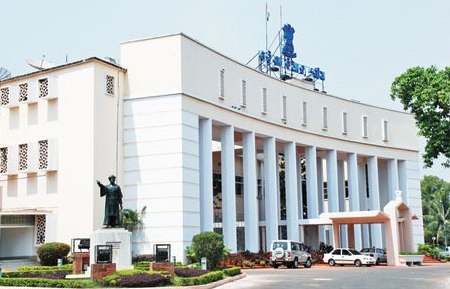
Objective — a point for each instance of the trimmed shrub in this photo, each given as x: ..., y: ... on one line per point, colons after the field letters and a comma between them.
x: 114, y: 280
x: 39, y: 282
x: 142, y: 265
x: 49, y: 253
x: 66, y: 267
x: 143, y: 257
x: 142, y: 280
x: 203, y: 279
x: 22, y: 273
x: 186, y: 272
x: 232, y: 271
x: 36, y: 274
x: 209, y: 245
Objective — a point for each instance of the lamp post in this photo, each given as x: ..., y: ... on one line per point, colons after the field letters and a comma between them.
x: 434, y: 239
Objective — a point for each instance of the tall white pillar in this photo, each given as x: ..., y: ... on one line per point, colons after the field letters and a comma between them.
x: 206, y: 174
x: 291, y: 190
x: 250, y: 193
x: 299, y: 187
x: 228, y: 188
x: 332, y: 181
x: 341, y: 200
x: 271, y: 189
x: 402, y: 180
x: 374, y: 199
x: 311, y: 183
x: 320, y: 198
x: 393, y: 178
x: 353, y: 194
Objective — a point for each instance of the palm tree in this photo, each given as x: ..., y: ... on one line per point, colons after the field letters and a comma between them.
x: 131, y: 219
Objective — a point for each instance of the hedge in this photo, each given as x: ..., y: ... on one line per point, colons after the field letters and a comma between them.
x: 203, y: 279
x: 232, y: 271
x: 35, y: 274
x: 142, y: 265
x: 113, y: 280
x: 66, y: 267
x: 39, y: 282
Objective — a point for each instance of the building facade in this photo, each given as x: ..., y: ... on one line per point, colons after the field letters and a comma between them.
x: 204, y: 142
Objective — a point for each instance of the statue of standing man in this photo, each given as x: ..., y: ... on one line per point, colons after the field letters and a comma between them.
x: 113, y: 202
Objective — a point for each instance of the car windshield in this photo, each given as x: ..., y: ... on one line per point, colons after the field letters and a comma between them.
x: 280, y: 245
x: 367, y: 250
x: 354, y: 252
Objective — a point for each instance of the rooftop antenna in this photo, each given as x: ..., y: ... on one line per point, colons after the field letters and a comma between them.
x: 110, y: 59
x: 267, y: 21
x: 40, y: 64
x: 4, y: 73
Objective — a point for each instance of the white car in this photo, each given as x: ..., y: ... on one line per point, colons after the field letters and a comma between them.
x: 378, y: 254
x: 345, y: 256
x: 446, y: 251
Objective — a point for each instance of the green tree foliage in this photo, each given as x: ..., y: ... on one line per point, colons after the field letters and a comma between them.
x: 209, y: 245
x: 49, y: 253
x: 425, y: 92
x: 131, y: 219
x: 436, y: 209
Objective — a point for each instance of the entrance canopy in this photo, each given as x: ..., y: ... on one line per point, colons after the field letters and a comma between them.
x: 356, y: 217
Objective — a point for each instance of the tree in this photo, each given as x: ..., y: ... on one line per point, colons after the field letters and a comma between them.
x: 131, y: 219
x: 436, y: 209
x: 209, y: 245
x: 425, y: 92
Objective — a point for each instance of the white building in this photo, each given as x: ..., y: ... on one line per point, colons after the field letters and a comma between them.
x: 197, y: 138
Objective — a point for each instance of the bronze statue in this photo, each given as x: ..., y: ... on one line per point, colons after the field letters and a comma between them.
x: 113, y: 202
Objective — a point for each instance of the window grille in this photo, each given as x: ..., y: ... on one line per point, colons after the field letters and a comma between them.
x: 344, y: 123
x: 4, y: 96
x: 43, y: 87
x: 222, y: 83
x: 264, y: 100
x: 324, y: 118
x: 23, y: 92
x: 43, y: 154
x: 110, y: 85
x: 3, y: 160
x: 385, y: 130
x: 23, y: 157
x: 244, y: 93
x: 284, y: 105
x: 40, y: 229
x: 304, y: 113
x: 364, y: 126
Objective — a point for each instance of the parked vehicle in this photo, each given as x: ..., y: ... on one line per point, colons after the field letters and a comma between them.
x: 378, y: 254
x: 289, y: 253
x: 446, y: 251
x: 345, y: 256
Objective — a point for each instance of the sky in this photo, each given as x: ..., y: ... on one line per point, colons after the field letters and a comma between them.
x: 361, y: 45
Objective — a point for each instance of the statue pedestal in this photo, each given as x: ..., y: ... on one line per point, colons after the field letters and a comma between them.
x: 120, y: 239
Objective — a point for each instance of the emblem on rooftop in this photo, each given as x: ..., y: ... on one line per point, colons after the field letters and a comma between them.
x: 280, y: 63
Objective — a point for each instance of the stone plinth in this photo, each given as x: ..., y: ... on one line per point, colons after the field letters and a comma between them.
x: 120, y: 239
x: 163, y: 266
x: 98, y: 271
x: 79, y: 259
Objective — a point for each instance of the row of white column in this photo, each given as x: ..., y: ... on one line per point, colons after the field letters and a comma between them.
x: 292, y: 184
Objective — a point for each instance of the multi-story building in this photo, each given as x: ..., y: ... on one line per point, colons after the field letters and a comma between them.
x: 204, y: 142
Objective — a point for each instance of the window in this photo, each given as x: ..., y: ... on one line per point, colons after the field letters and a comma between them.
x: 304, y: 113
x: 364, y: 126
x: 23, y: 92
x: 244, y: 94
x: 324, y: 118
x: 3, y: 160
x: 43, y: 87
x: 385, y: 130
x: 346, y: 188
x: 24, y: 220
x: 284, y: 107
x: 222, y: 84
x: 344, y: 122
x: 43, y: 154
x: 23, y: 157
x: 325, y: 190
x: 367, y: 181
x: 4, y: 94
x: 110, y: 85
x: 264, y: 100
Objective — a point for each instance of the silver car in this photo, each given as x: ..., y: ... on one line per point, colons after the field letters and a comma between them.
x: 289, y: 253
x: 378, y: 254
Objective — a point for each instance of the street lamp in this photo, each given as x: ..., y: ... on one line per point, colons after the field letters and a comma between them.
x: 434, y: 239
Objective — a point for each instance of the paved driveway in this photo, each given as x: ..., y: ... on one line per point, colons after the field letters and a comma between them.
x: 376, y: 277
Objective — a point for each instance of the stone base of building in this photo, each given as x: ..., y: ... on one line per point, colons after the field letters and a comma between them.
x: 119, y: 239
x: 98, y: 271
x: 163, y: 266
x: 80, y: 261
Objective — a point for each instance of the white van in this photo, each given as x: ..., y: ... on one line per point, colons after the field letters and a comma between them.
x: 289, y: 253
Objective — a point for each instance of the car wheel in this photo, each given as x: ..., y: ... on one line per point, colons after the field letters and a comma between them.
x: 378, y: 261
x: 308, y: 263
x: 295, y: 265
x: 275, y: 265
x: 358, y: 263
x: 331, y: 262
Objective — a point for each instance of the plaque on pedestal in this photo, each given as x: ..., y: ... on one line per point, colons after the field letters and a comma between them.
x: 119, y: 240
